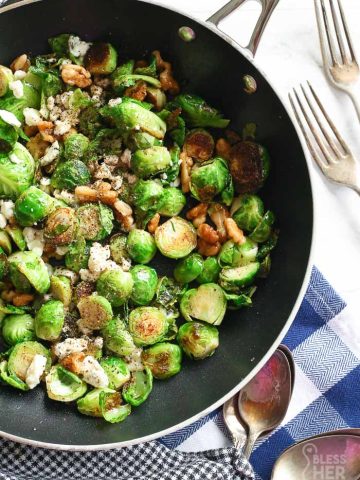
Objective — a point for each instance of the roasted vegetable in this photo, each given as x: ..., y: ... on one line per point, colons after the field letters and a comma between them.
x: 116, y: 286
x: 163, y: 359
x: 141, y: 246
x: 175, y: 238
x: 206, y: 303
x: 16, y: 172
x: 198, y: 113
x: 145, y: 282
x: 198, y: 340
x: 33, y: 206
x: 49, y: 320
x: 101, y: 59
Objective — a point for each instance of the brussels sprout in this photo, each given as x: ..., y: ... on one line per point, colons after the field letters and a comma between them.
x: 95, y: 311
x: 96, y: 221
x: 176, y: 238
x: 265, y: 267
x: 124, y: 77
x: 33, y: 206
x: 236, y: 255
x: 263, y: 230
x: 151, y: 161
x: 18, y: 328
x: 268, y: 246
x: 11, y: 379
x: 141, y: 246
x: 210, y: 271
x: 64, y: 386
x: 16, y: 172
x: 30, y: 99
x: 116, y: 370
x: 209, y: 179
x: 239, y: 300
x: 90, y: 122
x: 112, y: 407
x: 90, y: 403
x: 9, y: 310
x: 168, y: 292
x: 17, y: 236
x: 61, y: 226
x: 157, y: 97
x: 163, y: 359
x: 3, y: 264
x: 60, y: 289
x: 75, y: 146
x: 49, y: 320
x: 206, y: 303
x: 139, y: 388
x: 145, y: 283
x: 118, y: 248
x: 117, y: 339
x: 6, y: 76
x: 78, y: 254
x: 198, y: 113
x: 141, y: 140
x: 172, y: 202
x: 70, y: 174
x: 116, y: 286
x: 5, y: 242
x: 129, y: 115
x: 249, y: 165
x: 27, y: 267
x: 189, y: 268
x: 8, y: 136
x: 199, y: 144
x: 147, y: 325
x: 231, y: 279
x: 107, y: 141
x: 101, y: 59
x: 60, y: 44
x: 248, y: 211
x: 22, y: 355
x: 146, y: 197
x: 198, y: 340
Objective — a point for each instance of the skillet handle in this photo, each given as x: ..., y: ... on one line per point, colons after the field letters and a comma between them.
x: 268, y: 6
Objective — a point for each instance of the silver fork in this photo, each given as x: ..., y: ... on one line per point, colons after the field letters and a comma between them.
x: 340, y: 62
x: 325, y: 143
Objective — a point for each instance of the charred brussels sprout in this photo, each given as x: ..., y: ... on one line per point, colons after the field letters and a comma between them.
x: 236, y: 255
x: 64, y: 386
x: 141, y: 246
x: 112, y: 407
x: 95, y: 311
x: 90, y: 403
x: 264, y: 228
x: 116, y: 370
x: 188, y: 269
x: 61, y: 226
x: 116, y: 286
x: 26, y: 270
x: 198, y: 113
x: 6, y: 76
x: 22, y: 356
x: 49, y: 320
x: 139, y: 388
x: 231, y: 279
x: 198, y: 340
x: 18, y: 328
x: 145, y: 283
x: 96, y: 221
x: 206, y: 303
x: 75, y: 146
x: 33, y: 206
x: 125, y: 76
x: 70, y: 174
x: 172, y: 202
x: 78, y: 254
x: 117, y: 338
x: 60, y: 288
x: 199, y: 144
x: 248, y: 211
x: 101, y: 59
x: 147, y: 325
x: 210, y: 271
x: 249, y: 166
x: 151, y: 161
x: 176, y: 238
x: 163, y: 359
x: 209, y: 179
x: 118, y: 248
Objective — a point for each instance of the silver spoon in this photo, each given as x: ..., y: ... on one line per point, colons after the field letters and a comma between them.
x: 326, y: 457
x: 263, y: 402
x: 233, y: 422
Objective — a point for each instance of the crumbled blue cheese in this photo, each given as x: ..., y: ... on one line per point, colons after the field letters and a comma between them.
x: 17, y: 88
x: 51, y: 154
x: 3, y: 221
x: 19, y: 75
x: 62, y: 250
x: 98, y: 263
x: 93, y: 373
x: 7, y: 208
x: 69, y: 346
x: 34, y: 239
x: 77, y: 47
x: 67, y: 197
x: 114, y: 101
x: 65, y: 272
x: 134, y: 361
x: 61, y: 127
x: 35, y: 371
x: 176, y: 182
x: 9, y: 118
x: 32, y: 116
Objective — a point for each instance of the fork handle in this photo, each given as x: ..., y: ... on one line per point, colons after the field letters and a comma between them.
x: 355, y: 97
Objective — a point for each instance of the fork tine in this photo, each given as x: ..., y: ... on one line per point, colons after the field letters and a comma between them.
x: 330, y: 122
x: 338, y: 32
x: 330, y: 41
x: 347, y: 32
x: 322, y: 165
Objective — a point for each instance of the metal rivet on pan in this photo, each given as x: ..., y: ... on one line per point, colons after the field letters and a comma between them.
x: 187, y: 34
x: 250, y: 85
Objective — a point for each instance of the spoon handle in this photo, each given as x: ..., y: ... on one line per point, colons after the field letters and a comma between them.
x: 250, y: 442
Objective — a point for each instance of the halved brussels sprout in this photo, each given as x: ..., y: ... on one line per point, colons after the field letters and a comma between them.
x: 112, y: 407
x: 209, y: 179
x: 151, y: 161
x: 118, y: 248
x: 22, y: 355
x: 247, y: 211
x: 60, y: 288
x: 16, y: 172
x: 10, y: 378
x: 141, y: 246
x: 101, y: 58
x: 172, y: 202
x: 64, y: 386
x: 78, y: 254
x: 146, y: 197
x: 137, y: 390
x: 198, y: 340
x: 199, y: 144
x: 188, y: 269
x: 49, y: 320
x: 33, y: 206
x: 236, y: 255
x: 90, y: 403
x: 70, y: 174
x: 61, y: 226
x: 96, y: 221
x: 117, y: 339
x: 116, y: 370
x: 17, y: 236
x: 206, y: 303
x: 198, y: 113
x: 116, y: 286
x: 163, y: 359
x: 26, y: 268
x: 95, y: 311
x: 176, y: 238
x: 9, y: 310
x: 240, y: 300
x: 141, y: 140
x: 3, y: 264
x: 268, y: 246
x: 75, y: 146
x: 145, y: 283
x: 5, y: 242
x: 18, y: 328
x: 231, y: 279
x: 263, y: 230
x: 210, y: 271
x: 147, y: 325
